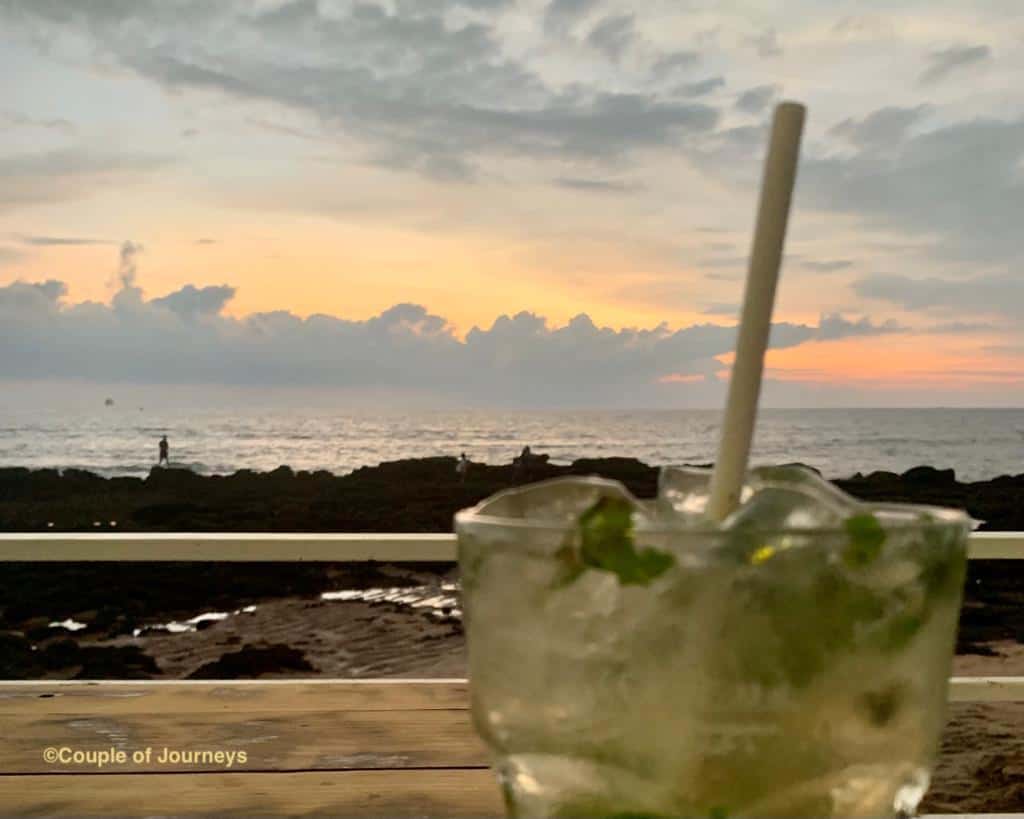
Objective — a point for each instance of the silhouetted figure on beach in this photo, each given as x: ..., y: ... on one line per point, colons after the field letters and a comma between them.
x: 164, y: 452
x: 462, y: 467
x: 526, y: 461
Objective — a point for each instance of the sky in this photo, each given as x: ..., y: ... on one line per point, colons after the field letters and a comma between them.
x: 510, y: 202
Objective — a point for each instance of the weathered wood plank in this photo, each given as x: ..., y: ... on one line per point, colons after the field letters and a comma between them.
x: 434, y: 793
x: 112, y: 697
x: 297, y: 547
x: 437, y: 793
x: 233, y: 741
x: 121, y: 697
x: 280, y: 725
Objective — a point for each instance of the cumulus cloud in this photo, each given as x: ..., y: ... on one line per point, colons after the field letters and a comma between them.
x: 190, y: 301
x: 185, y: 337
x: 944, y: 62
x: 833, y: 326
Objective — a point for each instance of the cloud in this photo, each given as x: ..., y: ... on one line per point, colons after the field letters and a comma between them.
x: 206, y: 241
x: 942, y: 63
x: 766, y: 44
x: 13, y: 119
x: 833, y: 326
x: 699, y: 88
x: 668, y: 64
x: 562, y: 15
x: 960, y: 328
x: 190, y: 301
x: 185, y: 337
x: 594, y: 185
x: 32, y: 178
x: 826, y: 266
x: 756, y: 100
x: 882, y: 128
x: 863, y: 26
x: 612, y: 35
x: 721, y: 309
x: 57, y: 241
x: 415, y: 89
x: 959, y: 186
x: 994, y: 294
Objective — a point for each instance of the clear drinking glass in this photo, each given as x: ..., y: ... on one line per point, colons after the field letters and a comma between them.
x: 798, y: 672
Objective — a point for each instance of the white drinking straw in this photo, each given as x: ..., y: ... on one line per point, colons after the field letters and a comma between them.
x: 756, y: 318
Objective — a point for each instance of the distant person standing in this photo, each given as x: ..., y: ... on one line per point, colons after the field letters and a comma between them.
x: 462, y: 467
x: 164, y: 450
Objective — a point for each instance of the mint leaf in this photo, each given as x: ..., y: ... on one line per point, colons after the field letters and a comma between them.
x: 866, y: 539
x: 606, y: 542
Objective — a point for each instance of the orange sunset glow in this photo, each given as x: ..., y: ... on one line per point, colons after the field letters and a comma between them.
x: 575, y: 198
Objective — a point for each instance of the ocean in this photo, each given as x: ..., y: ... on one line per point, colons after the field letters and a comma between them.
x: 117, y: 440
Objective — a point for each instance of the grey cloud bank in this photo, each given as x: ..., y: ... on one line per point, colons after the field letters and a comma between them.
x: 185, y: 338
x: 421, y: 92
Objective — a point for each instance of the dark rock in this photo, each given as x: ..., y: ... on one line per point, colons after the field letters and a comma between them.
x: 160, y: 514
x: 115, y: 663
x: 930, y: 475
x: 253, y: 661
x: 419, y: 495
x: 60, y: 653
x: 882, y: 476
x: 17, y: 659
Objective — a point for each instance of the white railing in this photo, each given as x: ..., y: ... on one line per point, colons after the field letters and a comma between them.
x: 271, y: 546
x: 287, y: 547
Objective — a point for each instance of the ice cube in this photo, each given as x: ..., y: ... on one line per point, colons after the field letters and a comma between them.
x: 773, y: 508
x: 803, y: 479
x: 558, y: 501
x: 791, y: 497
x: 683, y: 492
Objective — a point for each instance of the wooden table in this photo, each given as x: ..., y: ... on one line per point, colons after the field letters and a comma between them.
x: 375, y: 748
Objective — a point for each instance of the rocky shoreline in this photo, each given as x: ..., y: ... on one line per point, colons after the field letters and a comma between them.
x: 117, y: 600
x: 245, y: 620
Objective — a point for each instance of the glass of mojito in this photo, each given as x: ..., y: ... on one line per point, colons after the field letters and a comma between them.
x: 630, y: 659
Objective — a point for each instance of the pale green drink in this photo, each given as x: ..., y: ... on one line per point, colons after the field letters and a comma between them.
x: 627, y: 659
